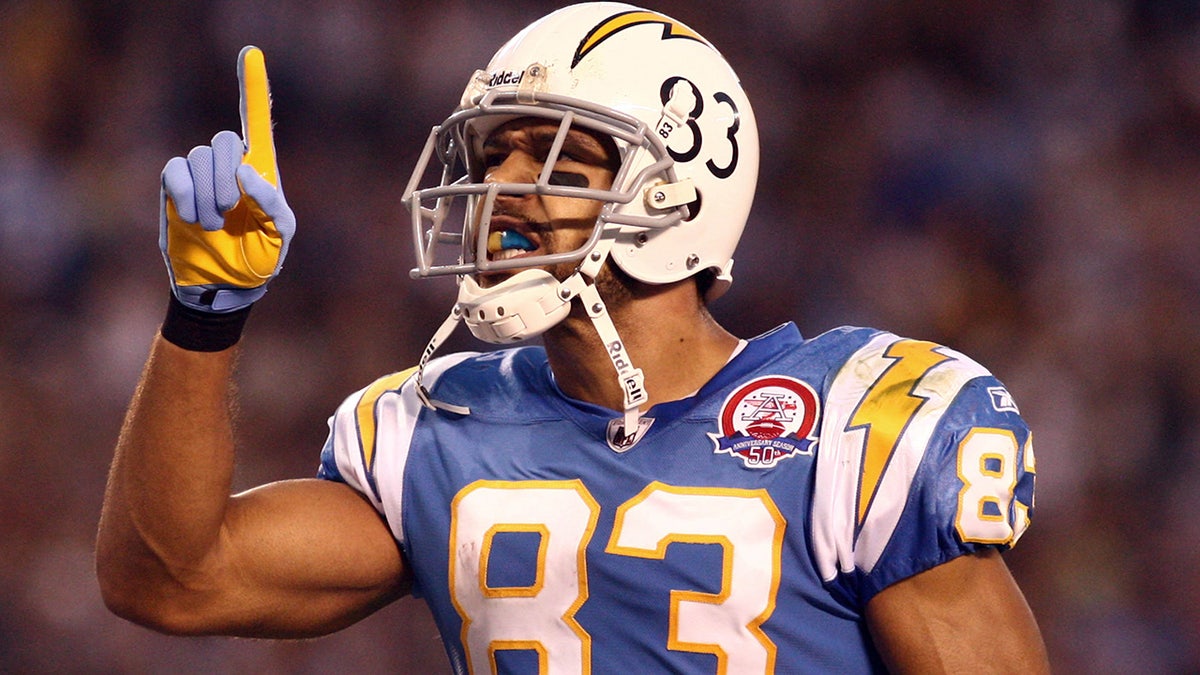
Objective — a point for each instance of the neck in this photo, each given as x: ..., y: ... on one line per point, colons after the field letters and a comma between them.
x: 667, y: 332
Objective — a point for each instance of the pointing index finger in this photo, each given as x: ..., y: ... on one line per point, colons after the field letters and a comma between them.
x: 256, y: 113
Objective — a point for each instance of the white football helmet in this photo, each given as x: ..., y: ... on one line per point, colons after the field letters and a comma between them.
x: 688, y: 151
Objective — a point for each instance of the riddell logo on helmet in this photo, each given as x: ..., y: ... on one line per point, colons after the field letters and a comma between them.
x: 506, y: 77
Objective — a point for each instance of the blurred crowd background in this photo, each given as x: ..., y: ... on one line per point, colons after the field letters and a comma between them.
x: 1019, y: 180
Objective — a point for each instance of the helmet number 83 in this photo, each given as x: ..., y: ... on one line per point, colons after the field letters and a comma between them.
x: 666, y: 128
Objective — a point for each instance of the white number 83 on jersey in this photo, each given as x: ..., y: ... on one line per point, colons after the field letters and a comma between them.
x: 540, y: 616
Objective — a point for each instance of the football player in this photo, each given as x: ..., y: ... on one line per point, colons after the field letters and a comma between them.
x: 647, y: 492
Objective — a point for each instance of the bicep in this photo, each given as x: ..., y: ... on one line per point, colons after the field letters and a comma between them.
x: 304, y: 557
x: 964, y: 615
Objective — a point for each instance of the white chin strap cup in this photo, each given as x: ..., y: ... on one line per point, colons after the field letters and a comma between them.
x: 520, y: 307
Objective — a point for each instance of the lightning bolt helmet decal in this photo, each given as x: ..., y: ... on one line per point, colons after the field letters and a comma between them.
x: 619, y: 22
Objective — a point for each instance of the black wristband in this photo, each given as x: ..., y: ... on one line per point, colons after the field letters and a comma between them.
x: 199, y: 331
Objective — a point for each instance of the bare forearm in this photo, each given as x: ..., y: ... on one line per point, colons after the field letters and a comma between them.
x: 170, y: 479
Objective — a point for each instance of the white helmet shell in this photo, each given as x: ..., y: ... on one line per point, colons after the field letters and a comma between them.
x: 682, y: 123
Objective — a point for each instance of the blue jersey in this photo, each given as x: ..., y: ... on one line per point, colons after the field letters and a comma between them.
x: 743, y: 532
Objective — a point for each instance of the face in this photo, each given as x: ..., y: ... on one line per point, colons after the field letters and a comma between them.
x: 528, y: 225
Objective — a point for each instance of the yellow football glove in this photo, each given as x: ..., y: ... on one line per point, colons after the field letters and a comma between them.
x: 224, y: 225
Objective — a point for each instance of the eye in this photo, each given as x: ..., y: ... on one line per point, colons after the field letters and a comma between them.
x: 586, y: 150
x: 569, y: 155
x: 491, y: 160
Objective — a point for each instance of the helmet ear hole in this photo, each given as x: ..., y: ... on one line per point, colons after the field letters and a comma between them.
x: 694, y: 207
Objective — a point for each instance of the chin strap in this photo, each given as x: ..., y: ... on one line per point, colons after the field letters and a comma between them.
x: 436, y: 341
x: 631, y: 379
x: 633, y: 382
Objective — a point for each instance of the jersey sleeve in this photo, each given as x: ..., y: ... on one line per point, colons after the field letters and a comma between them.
x: 370, y: 436
x: 352, y: 446
x: 923, y: 457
